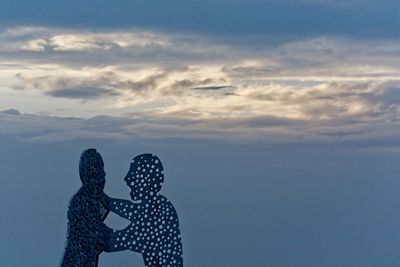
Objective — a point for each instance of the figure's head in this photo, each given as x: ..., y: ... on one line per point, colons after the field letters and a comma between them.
x: 145, y: 176
x: 91, y: 168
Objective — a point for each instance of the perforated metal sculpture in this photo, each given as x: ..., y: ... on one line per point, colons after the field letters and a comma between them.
x: 154, y: 229
x: 87, y: 234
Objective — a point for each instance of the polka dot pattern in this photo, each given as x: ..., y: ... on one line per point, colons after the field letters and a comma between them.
x: 154, y: 229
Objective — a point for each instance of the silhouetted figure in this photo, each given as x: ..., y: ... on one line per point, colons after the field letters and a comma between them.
x: 154, y: 229
x: 87, y: 233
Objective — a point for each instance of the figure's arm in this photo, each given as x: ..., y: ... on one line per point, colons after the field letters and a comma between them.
x: 103, y: 211
x: 122, y: 207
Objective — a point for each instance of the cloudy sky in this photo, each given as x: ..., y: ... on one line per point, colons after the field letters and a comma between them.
x: 277, y: 122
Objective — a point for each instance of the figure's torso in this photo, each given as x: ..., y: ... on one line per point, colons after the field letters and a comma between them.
x: 156, y: 228
x: 85, y: 230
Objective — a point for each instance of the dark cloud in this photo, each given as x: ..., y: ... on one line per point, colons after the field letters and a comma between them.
x: 146, y: 85
x: 111, y: 83
x: 10, y: 111
x: 179, y: 86
x: 211, y: 88
x: 93, y: 86
x: 70, y: 87
x: 266, y: 121
x: 186, y: 125
x: 388, y: 96
x: 82, y: 93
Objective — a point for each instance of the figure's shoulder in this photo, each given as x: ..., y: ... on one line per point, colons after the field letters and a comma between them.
x: 167, y: 207
x: 77, y: 198
x: 162, y: 200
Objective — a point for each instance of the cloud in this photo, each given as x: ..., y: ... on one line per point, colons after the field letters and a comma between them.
x: 48, y: 129
x: 148, y: 127
x: 148, y: 83
x: 212, y: 88
x: 38, y: 45
x: 94, y: 83
x: 40, y: 39
x: 82, y: 92
x: 190, y: 77
x: 361, y: 100
x: 10, y: 111
x: 69, y: 87
x: 322, y: 59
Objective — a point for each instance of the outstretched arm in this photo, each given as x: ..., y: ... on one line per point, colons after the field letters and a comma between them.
x: 122, y: 207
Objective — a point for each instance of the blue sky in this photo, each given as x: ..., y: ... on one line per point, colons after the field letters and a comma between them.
x: 277, y: 123
x: 297, y: 17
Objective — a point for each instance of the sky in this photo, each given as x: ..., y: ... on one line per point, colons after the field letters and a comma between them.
x: 277, y: 123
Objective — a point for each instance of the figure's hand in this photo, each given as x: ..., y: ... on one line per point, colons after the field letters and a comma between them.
x: 105, y: 200
x: 103, y: 239
x: 101, y: 244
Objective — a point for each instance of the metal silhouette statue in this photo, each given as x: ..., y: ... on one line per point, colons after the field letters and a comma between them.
x: 154, y: 228
x: 87, y: 234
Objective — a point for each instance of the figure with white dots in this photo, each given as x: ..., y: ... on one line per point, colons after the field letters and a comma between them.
x: 154, y: 228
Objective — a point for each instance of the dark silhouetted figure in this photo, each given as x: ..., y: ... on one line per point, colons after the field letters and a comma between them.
x: 87, y: 234
x: 154, y: 229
